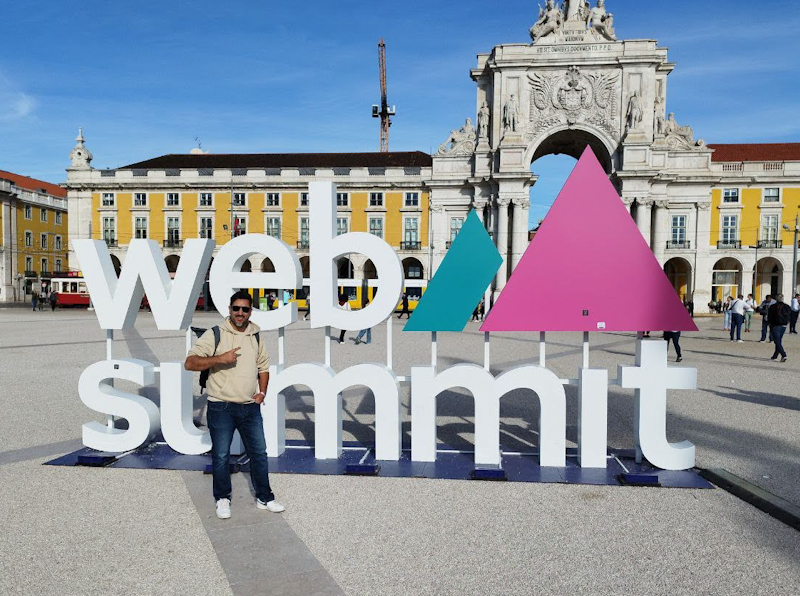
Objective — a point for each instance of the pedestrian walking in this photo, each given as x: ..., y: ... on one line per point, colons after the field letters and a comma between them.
x: 53, y: 300
x: 34, y: 300
x: 238, y: 367
x: 726, y: 314
x: 482, y: 309
x: 405, y: 310
x: 763, y: 310
x: 737, y: 317
x: 675, y: 338
x: 308, y: 307
x: 343, y: 304
x: 363, y: 332
x: 749, y: 308
x: 795, y: 306
x: 476, y: 313
x: 779, y: 315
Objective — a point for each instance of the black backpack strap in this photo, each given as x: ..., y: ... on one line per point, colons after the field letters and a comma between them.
x: 215, y: 330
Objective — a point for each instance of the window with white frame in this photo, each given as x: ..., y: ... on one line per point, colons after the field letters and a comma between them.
x: 28, y: 263
x: 239, y: 199
x: 43, y: 240
x: 173, y: 199
x: 274, y: 227
x: 109, y: 230
x: 140, y: 199
x: 772, y: 195
x: 173, y: 231
x: 412, y: 199
x: 58, y: 242
x: 376, y: 199
x: 730, y: 195
x: 769, y: 228
x: 730, y: 229
x: 44, y: 265
x: 108, y: 199
x: 341, y: 226
x: 376, y: 226
x: 58, y: 218
x: 28, y: 212
x: 140, y: 227
x: 411, y: 231
x: 28, y: 238
x: 206, y: 227
x: 273, y: 199
x: 455, y: 227
x: 239, y: 225
x: 304, y: 199
x: 303, y: 232
x: 678, y: 230
x: 58, y: 265
x: 342, y: 199
x: 206, y: 199
x: 43, y: 214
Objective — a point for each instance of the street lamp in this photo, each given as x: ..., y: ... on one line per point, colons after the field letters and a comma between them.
x: 794, y: 252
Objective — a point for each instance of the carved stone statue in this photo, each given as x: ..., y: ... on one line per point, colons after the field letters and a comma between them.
x: 550, y: 21
x: 511, y: 114
x: 601, y: 21
x: 460, y: 142
x: 577, y: 10
x: 680, y: 137
x: 660, y: 122
x: 634, y: 111
x: 483, y: 121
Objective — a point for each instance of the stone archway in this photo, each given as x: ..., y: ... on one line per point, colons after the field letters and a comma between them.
x: 573, y: 141
x: 679, y: 272
x: 769, y: 278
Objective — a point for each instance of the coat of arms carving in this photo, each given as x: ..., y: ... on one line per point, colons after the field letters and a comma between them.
x: 574, y: 97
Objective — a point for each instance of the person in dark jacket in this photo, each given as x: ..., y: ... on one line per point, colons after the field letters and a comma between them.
x: 405, y: 310
x: 779, y: 316
x: 53, y: 299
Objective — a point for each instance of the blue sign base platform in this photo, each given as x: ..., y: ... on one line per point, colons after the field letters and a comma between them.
x: 358, y: 459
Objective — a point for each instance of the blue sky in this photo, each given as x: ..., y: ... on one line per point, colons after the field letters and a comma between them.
x: 146, y: 78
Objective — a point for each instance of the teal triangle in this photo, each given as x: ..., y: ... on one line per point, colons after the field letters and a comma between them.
x: 459, y: 282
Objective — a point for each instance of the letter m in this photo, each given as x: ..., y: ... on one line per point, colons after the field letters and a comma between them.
x: 116, y: 301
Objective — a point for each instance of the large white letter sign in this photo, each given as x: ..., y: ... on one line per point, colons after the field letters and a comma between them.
x: 327, y: 247
x: 177, y: 407
x: 651, y: 378
x: 592, y: 417
x: 98, y: 394
x: 327, y: 387
x: 116, y: 301
x: 487, y: 391
x: 227, y: 276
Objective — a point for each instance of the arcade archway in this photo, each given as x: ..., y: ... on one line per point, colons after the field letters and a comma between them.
x: 679, y: 272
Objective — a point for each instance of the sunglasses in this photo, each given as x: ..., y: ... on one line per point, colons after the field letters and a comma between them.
x: 244, y: 309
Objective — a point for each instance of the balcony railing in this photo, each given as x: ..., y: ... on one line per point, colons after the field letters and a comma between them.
x: 407, y: 245
x: 302, y: 244
x: 173, y: 243
x: 729, y: 244
x: 674, y: 245
x: 111, y: 241
x: 31, y: 274
x: 45, y: 274
x: 770, y: 243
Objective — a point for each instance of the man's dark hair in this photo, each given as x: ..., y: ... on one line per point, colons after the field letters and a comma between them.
x: 242, y: 295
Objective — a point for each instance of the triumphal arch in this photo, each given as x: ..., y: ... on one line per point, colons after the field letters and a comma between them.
x: 575, y: 84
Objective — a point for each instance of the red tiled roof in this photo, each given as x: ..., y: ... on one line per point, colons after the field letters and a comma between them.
x: 285, y: 160
x: 34, y: 184
x: 756, y: 152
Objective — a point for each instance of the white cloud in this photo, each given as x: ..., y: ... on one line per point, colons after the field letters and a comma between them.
x: 15, y: 104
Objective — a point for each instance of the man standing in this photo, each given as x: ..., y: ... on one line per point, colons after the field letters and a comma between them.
x: 749, y: 309
x: 763, y: 310
x: 234, y: 365
x: 53, y: 300
x: 737, y: 317
x: 405, y: 310
x: 779, y: 316
x: 795, y: 313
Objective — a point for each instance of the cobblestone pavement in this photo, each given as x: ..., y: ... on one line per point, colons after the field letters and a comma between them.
x: 115, y: 531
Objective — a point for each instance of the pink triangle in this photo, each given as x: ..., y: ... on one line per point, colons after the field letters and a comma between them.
x: 588, y: 255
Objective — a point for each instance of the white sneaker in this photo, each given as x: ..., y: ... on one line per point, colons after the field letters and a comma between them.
x: 272, y: 505
x: 224, y: 508
x: 740, y: 341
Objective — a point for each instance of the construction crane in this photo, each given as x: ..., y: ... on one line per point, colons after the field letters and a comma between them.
x: 384, y: 112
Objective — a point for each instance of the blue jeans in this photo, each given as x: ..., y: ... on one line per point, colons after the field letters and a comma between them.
x: 736, y: 325
x: 224, y: 418
x: 361, y: 334
x: 765, y: 329
x: 726, y: 319
x: 777, y: 337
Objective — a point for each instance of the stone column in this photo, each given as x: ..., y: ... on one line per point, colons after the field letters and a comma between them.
x: 439, y: 236
x: 703, y: 265
x: 643, y: 214
x: 6, y: 270
x: 661, y: 230
x: 479, y: 207
x: 628, y: 202
x: 502, y: 239
x: 519, y: 237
